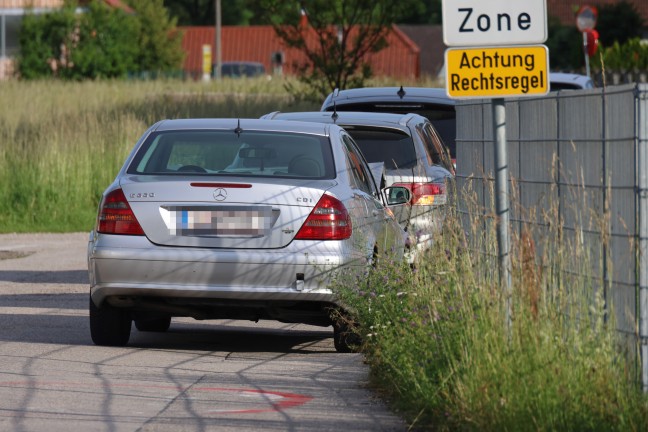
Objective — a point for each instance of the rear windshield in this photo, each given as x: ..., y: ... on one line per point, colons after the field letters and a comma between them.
x: 443, y: 117
x: 394, y: 148
x: 252, y: 153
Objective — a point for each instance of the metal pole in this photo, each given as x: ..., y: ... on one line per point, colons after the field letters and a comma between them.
x: 502, y: 202
x: 3, y: 31
x: 642, y: 172
x: 219, y: 57
x: 587, y: 65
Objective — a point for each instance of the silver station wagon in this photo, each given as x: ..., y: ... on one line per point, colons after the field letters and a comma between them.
x: 413, y: 156
x: 236, y: 219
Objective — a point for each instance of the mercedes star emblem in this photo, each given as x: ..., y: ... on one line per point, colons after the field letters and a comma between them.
x: 220, y: 194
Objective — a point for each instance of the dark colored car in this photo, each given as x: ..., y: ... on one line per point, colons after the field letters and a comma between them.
x: 432, y: 103
x: 242, y: 69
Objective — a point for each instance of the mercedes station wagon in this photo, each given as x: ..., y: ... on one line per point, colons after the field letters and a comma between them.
x: 414, y: 157
x: 236, y: 219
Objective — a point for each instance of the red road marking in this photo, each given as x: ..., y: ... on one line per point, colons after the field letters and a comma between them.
x: 287, y: 400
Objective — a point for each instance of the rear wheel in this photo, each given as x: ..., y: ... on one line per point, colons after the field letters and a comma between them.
x: 109, y: 326
x: 153, y: 324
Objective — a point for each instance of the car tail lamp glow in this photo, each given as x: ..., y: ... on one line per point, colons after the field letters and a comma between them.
x: 329, y: 220
x: 426, y: 194
x: 116, y: 216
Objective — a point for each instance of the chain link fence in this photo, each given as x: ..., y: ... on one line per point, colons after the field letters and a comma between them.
x: 578, y: 159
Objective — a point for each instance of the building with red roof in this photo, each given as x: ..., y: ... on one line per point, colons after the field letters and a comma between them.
x: 260, y: 43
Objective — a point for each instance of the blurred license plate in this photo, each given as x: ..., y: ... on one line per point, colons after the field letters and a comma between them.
x: 221, y: 221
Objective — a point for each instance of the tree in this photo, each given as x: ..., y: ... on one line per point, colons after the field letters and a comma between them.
x: 565, y: 45
x: 618, y: 22
x: 423, y: 12
x: 100, y: 42
x: 41, y: 40
x: 101, y: 45
x: 160, y: 44
x: 336, y: 36
x: 202, y: 12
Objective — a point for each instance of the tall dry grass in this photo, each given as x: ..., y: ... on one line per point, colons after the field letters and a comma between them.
x: 442, y: 347
x: 62, y: 143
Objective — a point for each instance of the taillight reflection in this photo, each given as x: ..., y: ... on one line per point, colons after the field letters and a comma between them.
x: 426, y: 194
x: 116, y: 216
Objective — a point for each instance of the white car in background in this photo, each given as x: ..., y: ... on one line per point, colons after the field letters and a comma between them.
x: 569, y: 81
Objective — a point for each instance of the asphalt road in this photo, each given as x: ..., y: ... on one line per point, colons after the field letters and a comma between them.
x: 199, y: 376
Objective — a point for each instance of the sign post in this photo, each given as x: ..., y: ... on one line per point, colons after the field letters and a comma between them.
x: 586, y: 21
x: 498, y: 57
x: 206, y: 62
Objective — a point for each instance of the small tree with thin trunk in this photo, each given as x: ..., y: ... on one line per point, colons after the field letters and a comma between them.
x: 335, y: 36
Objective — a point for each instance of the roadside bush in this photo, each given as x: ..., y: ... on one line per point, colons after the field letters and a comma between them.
x: 41, y: 40
x: 629, y: 56
x: 100, y: 42
x: 159, y: 41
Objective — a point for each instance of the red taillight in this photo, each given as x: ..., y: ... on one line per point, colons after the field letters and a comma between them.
x: 116, y: 216
x: 426, y: 193
x: 329, y: 220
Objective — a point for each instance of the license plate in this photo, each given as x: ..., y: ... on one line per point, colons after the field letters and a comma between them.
x: 235, y: 221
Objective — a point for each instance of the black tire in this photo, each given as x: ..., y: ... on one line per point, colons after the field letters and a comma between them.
x: 159, y: 325
x: 109, y: 326
x: 345, y: 339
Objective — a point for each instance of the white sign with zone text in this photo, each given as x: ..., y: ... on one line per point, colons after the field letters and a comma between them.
x: 494, y: 22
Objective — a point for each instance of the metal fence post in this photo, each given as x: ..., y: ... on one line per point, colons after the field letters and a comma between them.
x: 502, y: 205
x: 642, y: 168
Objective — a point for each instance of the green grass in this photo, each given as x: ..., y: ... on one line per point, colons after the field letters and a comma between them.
x: 441, y: 349
x: 63, y: 143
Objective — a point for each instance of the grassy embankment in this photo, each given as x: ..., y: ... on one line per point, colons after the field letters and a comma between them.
x: 442, y: 349
x: 436, y: 339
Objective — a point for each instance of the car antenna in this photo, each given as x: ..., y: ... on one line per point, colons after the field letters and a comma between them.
x: 335, y: 115
x: 401, y: 92
x: 238, y: 129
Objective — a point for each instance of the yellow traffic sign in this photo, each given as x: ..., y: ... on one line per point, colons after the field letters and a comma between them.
x: 497, y: 71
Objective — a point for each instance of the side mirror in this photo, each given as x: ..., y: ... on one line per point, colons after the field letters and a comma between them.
x: 396, y: 195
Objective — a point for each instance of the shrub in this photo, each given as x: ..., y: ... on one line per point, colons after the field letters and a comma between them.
x: 100, y: 42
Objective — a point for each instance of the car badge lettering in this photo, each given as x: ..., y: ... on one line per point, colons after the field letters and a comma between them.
x: 220, y: 194
x: 142, y: 195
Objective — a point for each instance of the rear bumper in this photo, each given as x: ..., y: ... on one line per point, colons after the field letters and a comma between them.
x: 129, y: 266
